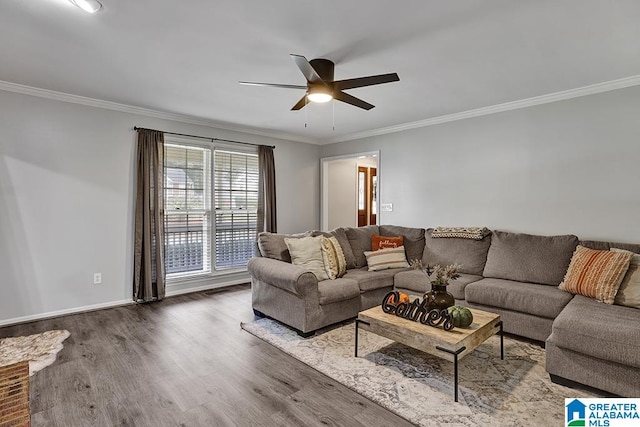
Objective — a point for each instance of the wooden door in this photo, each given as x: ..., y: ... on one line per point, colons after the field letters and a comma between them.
x: 373, y: 196
x: 367, y: 195
x: 362, y: 195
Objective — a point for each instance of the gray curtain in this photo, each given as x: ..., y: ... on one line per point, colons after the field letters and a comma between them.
x: 266, y: 190
x: 148, y: 263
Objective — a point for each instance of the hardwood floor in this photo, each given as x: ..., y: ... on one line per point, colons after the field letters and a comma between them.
x: 184, y: 362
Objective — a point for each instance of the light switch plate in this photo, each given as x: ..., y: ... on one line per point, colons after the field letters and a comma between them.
x: 386, y: 207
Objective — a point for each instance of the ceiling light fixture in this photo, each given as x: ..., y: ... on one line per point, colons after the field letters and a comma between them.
x: 320, y: 94
x: 89, y: 6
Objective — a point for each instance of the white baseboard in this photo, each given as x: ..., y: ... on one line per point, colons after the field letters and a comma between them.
x: 174, y: 292
x: 101, y: 306
x: 66, y: 311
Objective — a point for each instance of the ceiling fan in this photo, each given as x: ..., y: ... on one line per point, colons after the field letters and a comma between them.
x: 322, y: 88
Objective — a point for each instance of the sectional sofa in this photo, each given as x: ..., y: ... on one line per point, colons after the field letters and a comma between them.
x: 513, y: 274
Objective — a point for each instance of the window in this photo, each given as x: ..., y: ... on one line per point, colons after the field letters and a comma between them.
x: 236, y: 205
x: 195, y: 186
x: 187, y: 209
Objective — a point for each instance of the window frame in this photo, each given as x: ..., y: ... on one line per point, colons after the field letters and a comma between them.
x: 214, y: 209
x: 175, y: 279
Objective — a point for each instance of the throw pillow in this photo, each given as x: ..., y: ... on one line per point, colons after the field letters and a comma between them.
x: 271, y: 245
x: 386, y: 258
x: 335, y: 263
x: 384, y: 242
x: 341, y: 235
x: 629, y: 291
x: 360, y: 241
x: 307, y: 252
x: 596, y: 274
x: 412, y: 239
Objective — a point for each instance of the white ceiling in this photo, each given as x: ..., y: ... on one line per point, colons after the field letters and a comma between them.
x: 187, y: 57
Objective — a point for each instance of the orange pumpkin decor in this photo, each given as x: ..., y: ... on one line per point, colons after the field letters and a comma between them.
x: 402, y: 297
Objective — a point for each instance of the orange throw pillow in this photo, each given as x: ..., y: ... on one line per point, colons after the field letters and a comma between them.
x: 596, y: 274
x: 385, y: 242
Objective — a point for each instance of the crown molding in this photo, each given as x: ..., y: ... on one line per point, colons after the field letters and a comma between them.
x: 124, y: 108
x: 183, y: 118
x: 492, y: 109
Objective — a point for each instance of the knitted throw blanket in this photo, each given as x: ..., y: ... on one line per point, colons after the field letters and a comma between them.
x: 474, y: 233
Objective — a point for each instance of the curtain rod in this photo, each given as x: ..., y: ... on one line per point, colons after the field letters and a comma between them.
x: 136, y: 128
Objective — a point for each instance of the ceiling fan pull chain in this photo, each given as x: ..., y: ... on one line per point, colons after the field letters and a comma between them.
x: 333, y: 107
x: 306, y: 101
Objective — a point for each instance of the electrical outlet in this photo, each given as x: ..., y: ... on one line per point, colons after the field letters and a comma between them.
x: 97, y: 278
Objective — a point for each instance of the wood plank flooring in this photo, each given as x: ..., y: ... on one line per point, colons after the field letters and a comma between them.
x: 184, y: 362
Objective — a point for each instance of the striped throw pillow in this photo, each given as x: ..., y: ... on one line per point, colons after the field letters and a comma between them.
x: 386, y: 258
x: 335, y: 263
x: 596, y: 274
x: 629, y: 292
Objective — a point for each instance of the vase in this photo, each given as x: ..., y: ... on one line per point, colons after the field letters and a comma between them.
x: 438, y: 298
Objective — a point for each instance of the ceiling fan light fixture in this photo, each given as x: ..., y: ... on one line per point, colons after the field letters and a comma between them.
x: 319, y: 97
x: 89, y: 6
x: 319, y: 94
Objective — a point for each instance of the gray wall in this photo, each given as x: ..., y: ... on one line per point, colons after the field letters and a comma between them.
x: 564, y: 167
x: 66, y: 201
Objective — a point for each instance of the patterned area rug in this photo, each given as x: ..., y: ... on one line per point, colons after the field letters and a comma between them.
x: 419, y: 387
x: 39, y: 349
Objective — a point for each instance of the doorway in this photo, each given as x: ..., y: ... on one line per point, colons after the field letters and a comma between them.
x: 367, y: 195
x: 350, y: 190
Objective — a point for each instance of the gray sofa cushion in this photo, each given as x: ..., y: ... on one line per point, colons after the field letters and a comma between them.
x: 417, y: 282
x: 472, y: 254
x: 412, y: 280
x: 369, y: 280
x: 605, y: 246
x: 360, y: 241
x: 271, y: 245
x: 413, y: 239
x: 607, y: 332
x: 343, y: 240
x: 529, y: 258
x: 530, y: 298
x: 330, y: 291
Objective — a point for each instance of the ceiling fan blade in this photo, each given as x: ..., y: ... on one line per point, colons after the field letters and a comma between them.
x: 366, y: 81
x: 300, y: 104
x: 309, y: 72
x: 349, y: 99
x: 273, y: 85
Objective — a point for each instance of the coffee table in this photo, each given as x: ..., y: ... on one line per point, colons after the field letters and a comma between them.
x: 449, y: 345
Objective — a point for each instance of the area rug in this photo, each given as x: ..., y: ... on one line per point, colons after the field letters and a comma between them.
x: 419, y: 387
x: 39, y: 349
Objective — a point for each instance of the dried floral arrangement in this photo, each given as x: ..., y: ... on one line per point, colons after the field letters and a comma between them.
x: 439, y: 275
x: 416, y: 264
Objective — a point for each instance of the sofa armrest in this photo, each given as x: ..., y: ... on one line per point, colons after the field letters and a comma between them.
x: 289, y: 277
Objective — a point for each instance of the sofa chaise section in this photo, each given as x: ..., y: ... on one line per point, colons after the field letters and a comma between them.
x: 596, y: 344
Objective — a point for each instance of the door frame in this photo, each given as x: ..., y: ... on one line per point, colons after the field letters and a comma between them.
x: 324, y: 183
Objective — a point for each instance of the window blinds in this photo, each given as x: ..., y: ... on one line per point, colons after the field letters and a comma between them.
x: 210, y: 208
